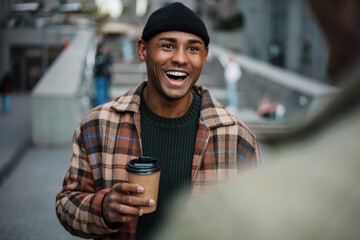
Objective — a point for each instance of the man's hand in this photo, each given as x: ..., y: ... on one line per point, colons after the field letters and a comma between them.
x: 120, y: 206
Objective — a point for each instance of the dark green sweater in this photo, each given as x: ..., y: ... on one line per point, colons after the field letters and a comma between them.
x: 170, y: 140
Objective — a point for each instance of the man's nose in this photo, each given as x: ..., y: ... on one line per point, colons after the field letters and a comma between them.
x: 180, y: 56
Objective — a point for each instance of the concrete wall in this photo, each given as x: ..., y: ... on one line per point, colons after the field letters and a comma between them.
x: 59, y: 101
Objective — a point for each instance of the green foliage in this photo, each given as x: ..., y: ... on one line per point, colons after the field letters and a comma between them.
x: 231, y: 23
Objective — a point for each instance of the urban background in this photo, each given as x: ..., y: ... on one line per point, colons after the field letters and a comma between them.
x: 48, y: 51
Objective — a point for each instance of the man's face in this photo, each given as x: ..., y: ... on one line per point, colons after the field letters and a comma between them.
x: 174, y: 61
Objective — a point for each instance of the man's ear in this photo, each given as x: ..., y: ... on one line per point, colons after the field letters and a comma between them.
x: 206, y: 54
x: 141, y: 49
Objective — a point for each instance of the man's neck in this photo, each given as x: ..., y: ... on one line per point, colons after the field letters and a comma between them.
x: 169, y: 108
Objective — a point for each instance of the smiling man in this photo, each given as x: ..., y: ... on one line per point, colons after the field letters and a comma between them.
x: 174, y: 61
x: 198, y: 142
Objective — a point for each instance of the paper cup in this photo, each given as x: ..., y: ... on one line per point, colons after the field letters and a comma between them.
x: 145, y: 171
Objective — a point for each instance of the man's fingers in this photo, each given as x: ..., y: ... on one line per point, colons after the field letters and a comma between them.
x: 116, y: 217
x: 122, y: 209
x: 136, y: 201
x: 123, y: 193
x: 128, y: 187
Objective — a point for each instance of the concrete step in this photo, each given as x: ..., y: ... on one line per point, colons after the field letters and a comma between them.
x: 120, y: 68
x: 127, y: 79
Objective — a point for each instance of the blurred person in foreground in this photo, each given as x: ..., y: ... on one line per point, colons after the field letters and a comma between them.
x: 310, y: 188
x: 198, y: 142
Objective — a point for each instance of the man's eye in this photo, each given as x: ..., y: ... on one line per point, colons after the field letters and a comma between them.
x: 167, y: 46
x: 192, y: 49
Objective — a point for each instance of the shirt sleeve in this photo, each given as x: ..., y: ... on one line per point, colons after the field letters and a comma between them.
x: 78, y: 204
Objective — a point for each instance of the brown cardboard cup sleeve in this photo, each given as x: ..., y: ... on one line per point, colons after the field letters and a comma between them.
x: 145, y: 171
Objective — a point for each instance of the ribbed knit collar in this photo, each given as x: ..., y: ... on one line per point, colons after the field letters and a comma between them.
x: 191, y: 115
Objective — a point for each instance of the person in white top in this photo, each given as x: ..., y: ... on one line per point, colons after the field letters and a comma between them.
x: 232, y: 75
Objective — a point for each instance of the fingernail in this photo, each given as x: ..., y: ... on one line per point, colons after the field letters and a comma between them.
x: 141, y: 212
x: 140, y: 189
x: 151, y: 202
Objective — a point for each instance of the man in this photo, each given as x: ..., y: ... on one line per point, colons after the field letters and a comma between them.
x: 311, y: 188
x: 102, y: 73
x: 5, y: 90
x: 167, y: 117
x: 232, y: 75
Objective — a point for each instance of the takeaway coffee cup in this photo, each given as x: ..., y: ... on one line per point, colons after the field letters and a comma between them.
x: 145, y: 171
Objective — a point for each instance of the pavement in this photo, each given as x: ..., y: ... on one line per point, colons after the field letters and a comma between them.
x: 30, y: 178
x: 14, y: 131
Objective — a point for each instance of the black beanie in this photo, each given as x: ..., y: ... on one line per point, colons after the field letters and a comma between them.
x: 175, y: 17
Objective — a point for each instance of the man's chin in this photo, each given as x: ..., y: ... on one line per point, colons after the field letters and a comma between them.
x: 176, y: 96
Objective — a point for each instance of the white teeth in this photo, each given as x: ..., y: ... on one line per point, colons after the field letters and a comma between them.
x: 177, y: 74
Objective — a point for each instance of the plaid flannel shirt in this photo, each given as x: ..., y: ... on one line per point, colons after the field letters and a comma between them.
x: 109, y: 136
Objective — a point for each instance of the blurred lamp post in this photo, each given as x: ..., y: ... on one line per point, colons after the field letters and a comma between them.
x: 44, y: 60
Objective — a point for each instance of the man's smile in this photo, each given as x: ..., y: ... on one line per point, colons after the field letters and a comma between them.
x: 176, y: 75
x: 176, y: 78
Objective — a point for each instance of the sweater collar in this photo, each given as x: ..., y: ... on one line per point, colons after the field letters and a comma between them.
x: 213, y: 113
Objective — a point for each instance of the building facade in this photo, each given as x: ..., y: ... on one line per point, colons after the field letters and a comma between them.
x: 284, y: 33
x: 32, y: 35
x: 281, y: 32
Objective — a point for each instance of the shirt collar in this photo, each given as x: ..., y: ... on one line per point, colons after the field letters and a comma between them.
x: 130, y: 101
x: 213, y: 113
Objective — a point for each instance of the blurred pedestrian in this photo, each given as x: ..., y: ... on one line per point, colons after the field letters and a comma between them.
x: 270, y: 110
x: 103, y: 62
x: 310, y: 187
x: 64, y: 44
x: 5, y: 90
x: 232, y: 75
x: 198, y: 142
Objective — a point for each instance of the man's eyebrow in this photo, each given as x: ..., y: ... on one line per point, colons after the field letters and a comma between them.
x: 167, y: 39
x: 194, y: 41
x: 173, y: 40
